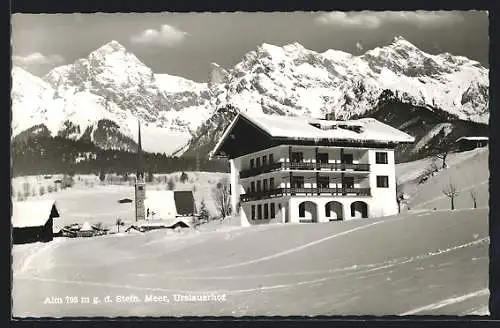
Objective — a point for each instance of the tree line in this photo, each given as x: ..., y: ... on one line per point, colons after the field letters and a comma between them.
x: 52, y: 155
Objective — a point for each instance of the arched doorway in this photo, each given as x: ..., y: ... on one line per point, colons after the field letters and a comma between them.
x: 334, y: 211
x: 359, y: 209
x: 308, y: 212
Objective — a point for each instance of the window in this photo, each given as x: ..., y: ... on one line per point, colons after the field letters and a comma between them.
x: 259, y: 212
x: 252, y: 186
x: 381, y: 157
x: 271, y: 158
x: 258, y: 162
x: 347, y: 158
x: 302, y: 210
x: 264, y: 187
x: 297, y: 157
x: 271, y: 183
x: 322, y: 158
x: 266, y: 211
x: 264, y: 160
x: 253, y: 212
x: 259, y: 189
x: 323, y: 182
x: 273, y: 211
x: 297, y: 182
x: 252, y: 163
x: 382, y: 181
x: 348, y: 182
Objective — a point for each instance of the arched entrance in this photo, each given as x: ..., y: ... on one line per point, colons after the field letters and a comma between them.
x: 359, y: 209
x: 308, y: 212
x: 334, y: 211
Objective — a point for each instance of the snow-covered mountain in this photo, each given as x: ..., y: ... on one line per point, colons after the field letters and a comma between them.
x: 112, y: 84
x: 292, y: 80
x: 295, y: 80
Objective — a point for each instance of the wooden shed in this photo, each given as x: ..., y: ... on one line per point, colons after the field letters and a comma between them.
x: 32, y: 221
x: 469, y: 143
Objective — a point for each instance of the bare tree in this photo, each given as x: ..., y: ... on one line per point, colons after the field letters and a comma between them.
x: 428, y: 171
x: 170, y: 184
x: 473, y: 195
x: 442, y: 149
x: 119, y: 222
x: 451, y: 192
x: 221, y: 196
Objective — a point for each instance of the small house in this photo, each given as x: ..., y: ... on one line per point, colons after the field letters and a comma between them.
x: 32, y: 221
x: 470, y: 143
x: 86, y: 230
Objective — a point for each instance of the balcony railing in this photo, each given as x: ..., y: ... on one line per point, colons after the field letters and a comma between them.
x: 280, y: 192
x: 303, y: 166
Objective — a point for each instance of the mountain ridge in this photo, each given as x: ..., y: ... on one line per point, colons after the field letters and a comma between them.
x: 113, y: 84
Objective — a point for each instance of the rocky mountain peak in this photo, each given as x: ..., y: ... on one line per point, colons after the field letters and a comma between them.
x: 294, y: 47
x: 110, y: 47
x: 402, y: 42
x: 217, y: 75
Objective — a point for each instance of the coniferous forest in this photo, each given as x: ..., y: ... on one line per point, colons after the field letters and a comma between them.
x: 51, y: 155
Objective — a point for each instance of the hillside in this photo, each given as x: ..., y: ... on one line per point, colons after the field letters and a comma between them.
x: 431, y: 127
x: 468, y: 171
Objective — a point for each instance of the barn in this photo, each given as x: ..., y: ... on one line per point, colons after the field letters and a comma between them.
x: 32, y: 221
x: 470, y: 143
x: 170, y: 208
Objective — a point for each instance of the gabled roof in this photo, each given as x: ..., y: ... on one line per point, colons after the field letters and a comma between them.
x: 86, y: 227
x: 306, y: 128
x: 473, y: 138
x: 161, y: 203
x: 168, y: 204
x: 33, y: 213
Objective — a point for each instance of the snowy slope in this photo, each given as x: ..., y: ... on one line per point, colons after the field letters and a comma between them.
x: 28, y: 94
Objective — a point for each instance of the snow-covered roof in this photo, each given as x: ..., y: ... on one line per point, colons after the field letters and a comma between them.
x: 86, y: 227
x: 161, y: 204
x: 473, y: 138
x: 33, y: 213
x: 306, y: 128
x: 295, y: 127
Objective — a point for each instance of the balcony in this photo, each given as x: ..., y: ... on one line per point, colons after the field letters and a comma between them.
x: 280, y: 192
x: 303, y: 166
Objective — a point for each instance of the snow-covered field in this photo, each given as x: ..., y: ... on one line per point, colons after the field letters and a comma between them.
x: 423, y: 261
x: 96, y: 202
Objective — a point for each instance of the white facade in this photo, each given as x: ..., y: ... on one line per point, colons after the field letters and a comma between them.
x: 315, y: 193
x: 299, y: 169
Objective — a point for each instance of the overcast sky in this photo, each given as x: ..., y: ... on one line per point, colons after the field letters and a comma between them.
x: 185, y: 44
